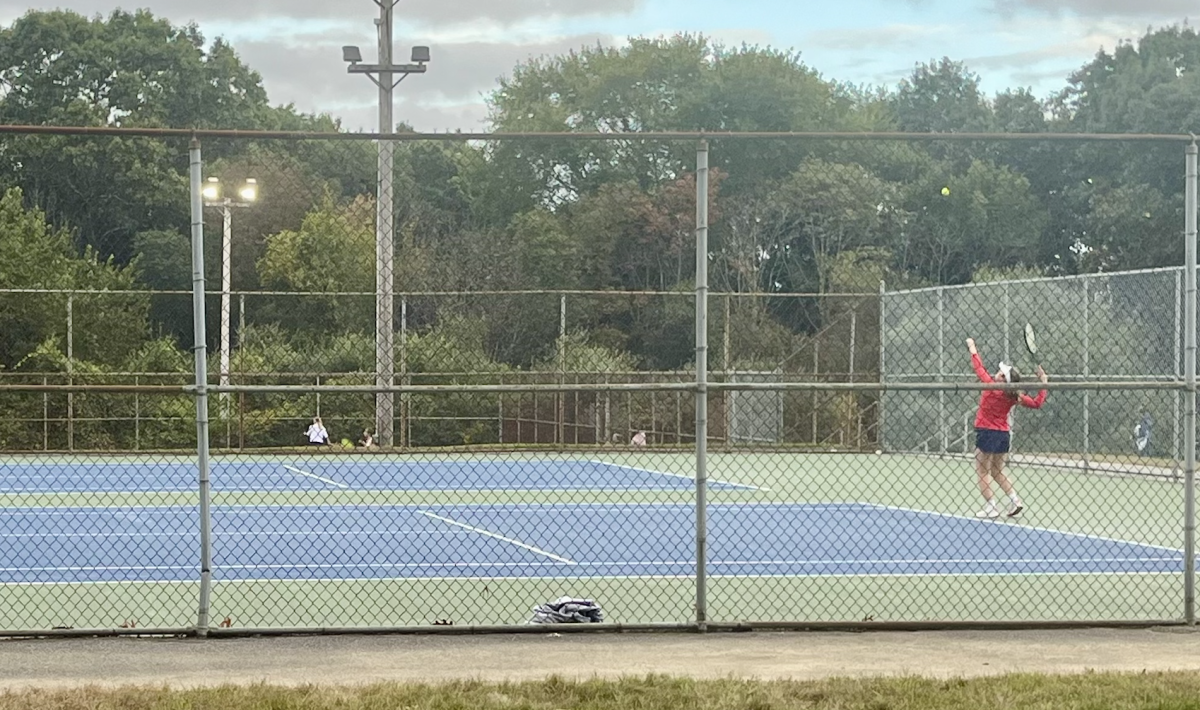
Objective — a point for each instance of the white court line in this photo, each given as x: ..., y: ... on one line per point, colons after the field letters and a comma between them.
x: 867, y: 563
x: 293, y: 469
x: 1018, y: 524
x: 743, y: 486
x: 493, y: 535
x: 362, y: 565
x: 623, y: 577
x: 233, y: 533
x: 536, y: 565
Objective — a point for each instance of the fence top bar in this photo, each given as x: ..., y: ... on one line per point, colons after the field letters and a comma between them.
x: 1038, y: 279
x: 431, y: 294
x: 114, y: 131
x: 1164, y: 385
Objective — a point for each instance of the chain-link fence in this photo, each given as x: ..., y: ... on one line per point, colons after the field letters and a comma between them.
x: 512, y: 338
x: 243, y: 394
x: 1111, y: 328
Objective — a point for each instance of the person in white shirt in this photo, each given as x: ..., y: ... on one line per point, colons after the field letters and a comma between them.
x: 316, y: 433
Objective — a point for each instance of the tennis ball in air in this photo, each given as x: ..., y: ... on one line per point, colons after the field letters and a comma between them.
x: 945, y: 191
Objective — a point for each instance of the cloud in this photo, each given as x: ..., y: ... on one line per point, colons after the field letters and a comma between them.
x: 441, y: 12
x: 1142, y: 9
x: 1072, y: 40
x: 898, y: 36
x: 295, y: 45
x: 311, y: 75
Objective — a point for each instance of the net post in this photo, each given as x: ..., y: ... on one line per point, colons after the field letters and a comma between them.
x: 1189, y: 410
x: 701, y: 383
x: 200, y: 352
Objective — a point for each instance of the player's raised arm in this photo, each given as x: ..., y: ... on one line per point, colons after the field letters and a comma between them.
x: 977, y: 362
x: 1036, y: 402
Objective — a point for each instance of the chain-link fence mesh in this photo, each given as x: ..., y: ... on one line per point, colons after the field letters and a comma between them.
x: 1108, y: 328
x: 479, y: 396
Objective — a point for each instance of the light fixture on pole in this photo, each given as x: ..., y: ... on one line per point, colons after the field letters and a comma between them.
x: 383, y: 74
x: 247, y: 195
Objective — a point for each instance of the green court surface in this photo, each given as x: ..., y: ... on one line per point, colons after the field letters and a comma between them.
x: 1077, y: 504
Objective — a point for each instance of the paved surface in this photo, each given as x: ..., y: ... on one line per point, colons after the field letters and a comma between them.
x: 58, y: 663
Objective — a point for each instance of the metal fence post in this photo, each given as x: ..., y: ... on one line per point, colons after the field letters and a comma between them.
x: 852, y: 396
x: 45, y: 417
x: 404, y: 378
x: 71, y: 371
x: 201, y: 364
x: 816, y: 438
x: 941, y: 373
x: 727, y: 397
x: 1087, y: 373
x: 561, y: 405
x: 1007, y: 320
x: 879, y: 412
x: 1189, y: 410
x: 1176, y: 437
x: 701, y: 384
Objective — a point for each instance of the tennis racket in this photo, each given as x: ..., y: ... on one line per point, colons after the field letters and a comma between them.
x: 1031, y: 344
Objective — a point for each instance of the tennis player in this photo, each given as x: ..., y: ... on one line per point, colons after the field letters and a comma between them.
x: 992, y: 431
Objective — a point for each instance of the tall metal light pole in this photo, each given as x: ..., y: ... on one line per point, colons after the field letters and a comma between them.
x: 248, y: 193
x: 383, y: 75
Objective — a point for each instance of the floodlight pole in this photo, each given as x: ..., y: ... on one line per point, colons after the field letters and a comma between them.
x: 226, y: 281
x: 385, y: 252
x: 226, y: 206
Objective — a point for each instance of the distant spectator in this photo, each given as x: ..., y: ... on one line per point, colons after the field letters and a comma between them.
x: 1141, y: 435
x: 368, y: 439
x: 316, y: 433
x: 639, y: 439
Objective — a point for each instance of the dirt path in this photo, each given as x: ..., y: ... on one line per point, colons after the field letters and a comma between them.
x: 365, y: 659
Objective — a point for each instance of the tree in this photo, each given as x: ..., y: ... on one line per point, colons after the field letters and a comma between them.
x: 34, y: 255
x: 960, y: 222
x: 332, y: 251
x: 685, y: 82
x: 941, y: 97
x: 132, y: 70
x: 1151, y: 86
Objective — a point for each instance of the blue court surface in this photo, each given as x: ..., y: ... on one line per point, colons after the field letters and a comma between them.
x: 488, y: 541
x: 109, y: 477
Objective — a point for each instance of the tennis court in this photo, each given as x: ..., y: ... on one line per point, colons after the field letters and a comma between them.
x: 311, y: 475
x: 347, y: 541
x: 338, y: 542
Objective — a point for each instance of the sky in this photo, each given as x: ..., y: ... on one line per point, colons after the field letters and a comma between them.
x: 296, y: 44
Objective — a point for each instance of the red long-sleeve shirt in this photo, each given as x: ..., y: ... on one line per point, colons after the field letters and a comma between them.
x: 995, y: 405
